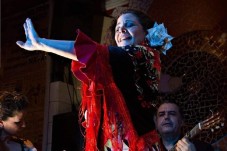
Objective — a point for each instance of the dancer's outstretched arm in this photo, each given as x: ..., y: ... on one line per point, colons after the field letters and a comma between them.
x: 33, y: 42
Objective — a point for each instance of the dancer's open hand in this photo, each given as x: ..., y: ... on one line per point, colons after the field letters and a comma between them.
x: 32, y: 38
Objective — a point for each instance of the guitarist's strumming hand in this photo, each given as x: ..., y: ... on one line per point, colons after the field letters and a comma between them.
x: 185, y: 145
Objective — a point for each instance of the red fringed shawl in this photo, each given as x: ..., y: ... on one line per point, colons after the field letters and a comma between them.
x: 102, y: 101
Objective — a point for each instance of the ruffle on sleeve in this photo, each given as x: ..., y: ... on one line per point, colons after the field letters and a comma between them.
x: 86, y: 51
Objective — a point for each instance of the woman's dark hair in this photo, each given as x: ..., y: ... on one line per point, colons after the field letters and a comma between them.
x: 11, y: 102
x: 144, y: 20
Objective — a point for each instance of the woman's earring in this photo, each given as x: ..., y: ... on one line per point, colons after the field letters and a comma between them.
x: 1, y: 125
x: 146, y: 41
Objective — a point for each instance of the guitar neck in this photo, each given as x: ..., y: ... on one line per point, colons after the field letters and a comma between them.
x: 206, y: 124
x: 196, y: 130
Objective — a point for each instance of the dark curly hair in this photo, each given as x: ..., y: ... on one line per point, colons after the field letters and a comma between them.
x: 144, y: 20
x: 11, y: 102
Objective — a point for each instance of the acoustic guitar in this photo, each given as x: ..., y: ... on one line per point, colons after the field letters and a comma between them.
x: 215, y: 121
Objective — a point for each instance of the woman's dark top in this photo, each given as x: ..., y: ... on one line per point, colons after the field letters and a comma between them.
x: 124, y: 76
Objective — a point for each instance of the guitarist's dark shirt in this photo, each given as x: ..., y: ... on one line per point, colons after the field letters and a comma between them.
x: 202, y: 146
x: 199, y: 145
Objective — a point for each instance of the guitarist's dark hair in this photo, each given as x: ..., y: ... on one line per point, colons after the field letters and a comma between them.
x: 169, y: 101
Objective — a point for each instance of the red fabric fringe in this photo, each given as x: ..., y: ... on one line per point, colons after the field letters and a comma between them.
x: 100, y: 93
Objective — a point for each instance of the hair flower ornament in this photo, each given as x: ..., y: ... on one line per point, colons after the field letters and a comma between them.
x: 158, y: 36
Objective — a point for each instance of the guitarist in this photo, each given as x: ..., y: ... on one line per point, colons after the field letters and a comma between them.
x: 168, y: 121
x: 12, y: 112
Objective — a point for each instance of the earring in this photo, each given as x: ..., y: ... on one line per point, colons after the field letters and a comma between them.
x: 1, y: 125
x: 146, y: 42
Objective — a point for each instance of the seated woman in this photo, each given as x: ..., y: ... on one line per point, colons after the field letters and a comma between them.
x: 12, y: 112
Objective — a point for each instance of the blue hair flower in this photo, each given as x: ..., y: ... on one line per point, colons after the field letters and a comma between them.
x: 158, y: 36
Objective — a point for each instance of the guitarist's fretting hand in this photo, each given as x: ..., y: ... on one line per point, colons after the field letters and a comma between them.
x: 185, y: 145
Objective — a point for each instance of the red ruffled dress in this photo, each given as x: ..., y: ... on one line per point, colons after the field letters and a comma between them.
x: 118, y: 88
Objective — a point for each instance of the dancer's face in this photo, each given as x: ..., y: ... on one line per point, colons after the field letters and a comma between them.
x: 128, y: 30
